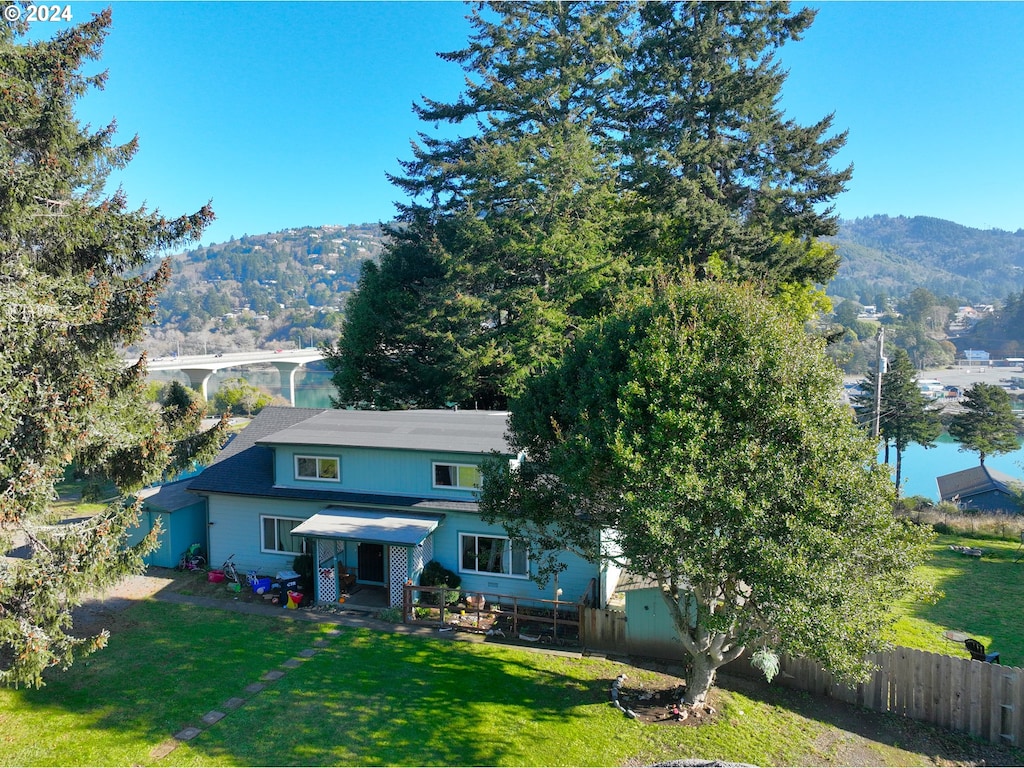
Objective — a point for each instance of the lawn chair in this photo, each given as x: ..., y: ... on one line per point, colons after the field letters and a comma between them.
x: 977, y: 651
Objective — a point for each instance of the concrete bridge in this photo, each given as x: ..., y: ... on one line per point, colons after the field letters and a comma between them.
x: 199, y: 368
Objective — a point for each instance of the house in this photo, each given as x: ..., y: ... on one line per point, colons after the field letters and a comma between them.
x: 374, y: 494
x: 982, y: 489
x: 930, y: 388
x: 182, y: 518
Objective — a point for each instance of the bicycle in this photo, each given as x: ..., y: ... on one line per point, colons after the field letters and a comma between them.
x: 192, y: 559
x: 230, y: 571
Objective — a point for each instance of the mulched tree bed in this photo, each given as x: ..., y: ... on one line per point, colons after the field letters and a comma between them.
x: 658, y: 704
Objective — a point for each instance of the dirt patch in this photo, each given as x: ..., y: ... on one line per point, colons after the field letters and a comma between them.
x: 103, y: 610
x: 661, y: 702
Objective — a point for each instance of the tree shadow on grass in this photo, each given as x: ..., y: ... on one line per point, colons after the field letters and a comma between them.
x: 388, y: 699
x: 367, y: 698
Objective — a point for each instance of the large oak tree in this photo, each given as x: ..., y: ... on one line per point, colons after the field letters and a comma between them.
x: 703, y: 429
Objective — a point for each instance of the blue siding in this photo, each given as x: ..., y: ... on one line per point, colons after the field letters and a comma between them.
x: 992, y: 501
x: 650, y: 630
x: 371, y: 470
x: 181, y: 528
x: 573, y: 582
x: 235, y: 529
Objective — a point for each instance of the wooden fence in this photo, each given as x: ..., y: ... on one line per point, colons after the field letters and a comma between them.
x: 984, y: 700
x: 603, y: 630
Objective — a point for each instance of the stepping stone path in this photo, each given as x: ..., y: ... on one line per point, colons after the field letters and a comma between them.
x: 212, y: 717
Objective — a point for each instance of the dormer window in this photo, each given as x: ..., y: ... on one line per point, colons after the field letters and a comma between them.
x: 325, y: 468
x: 460, y: 476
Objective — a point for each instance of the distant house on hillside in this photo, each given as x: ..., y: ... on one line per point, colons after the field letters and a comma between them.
x: 981, y: 489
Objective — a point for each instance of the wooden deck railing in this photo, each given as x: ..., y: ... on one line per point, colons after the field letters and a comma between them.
x: 494, y: 610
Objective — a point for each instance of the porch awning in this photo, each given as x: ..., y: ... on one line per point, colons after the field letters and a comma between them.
x: 368, y: 525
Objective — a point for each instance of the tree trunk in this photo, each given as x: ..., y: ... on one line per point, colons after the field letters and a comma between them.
x: 700, y: 680
x: 899, y: 467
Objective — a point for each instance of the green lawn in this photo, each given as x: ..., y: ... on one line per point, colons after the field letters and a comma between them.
x: 373, y: 698
x: 984, y: 598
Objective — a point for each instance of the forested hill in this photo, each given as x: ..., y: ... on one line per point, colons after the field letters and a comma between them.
x: 288, y: 288
x: 895, y: 255
x: 282, y: 288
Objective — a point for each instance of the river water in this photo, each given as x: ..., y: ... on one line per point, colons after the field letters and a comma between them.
x: 922, y: 465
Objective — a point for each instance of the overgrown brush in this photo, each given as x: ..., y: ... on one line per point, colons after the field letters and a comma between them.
x: 947, y: 518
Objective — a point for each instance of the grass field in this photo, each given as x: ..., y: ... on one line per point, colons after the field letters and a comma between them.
x: 981, y: 597
x: 377, y: 698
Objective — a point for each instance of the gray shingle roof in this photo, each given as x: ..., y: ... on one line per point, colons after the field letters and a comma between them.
x: 169, y: 497
x: 422, y: 430
x: 970, y: 482
x: 245, y: 466
x: 241, y: 464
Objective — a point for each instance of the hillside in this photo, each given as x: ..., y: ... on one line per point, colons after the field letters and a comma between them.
x: 288, y: 288
x: 895, y: 255
x: 282, y: 289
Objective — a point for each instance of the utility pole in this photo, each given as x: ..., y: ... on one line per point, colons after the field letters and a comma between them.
x: 880, y: 372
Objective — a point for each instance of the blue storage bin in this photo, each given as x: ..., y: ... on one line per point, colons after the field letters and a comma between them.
x: 261, y: 586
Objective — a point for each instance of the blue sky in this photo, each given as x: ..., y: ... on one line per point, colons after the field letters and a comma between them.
x: 291, y: 114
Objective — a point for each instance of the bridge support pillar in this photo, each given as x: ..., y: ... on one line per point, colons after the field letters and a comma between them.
x: 198, y: 378
x: 287, y: 372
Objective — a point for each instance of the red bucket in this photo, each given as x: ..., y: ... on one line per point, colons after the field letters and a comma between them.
x: 215, y: 576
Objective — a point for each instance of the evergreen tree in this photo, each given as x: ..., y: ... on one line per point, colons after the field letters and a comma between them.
x: 906, y: 415
x: 76, y: 284
x: 988, y: 424
x: 182, y: 412
x: 510, y: 233
x: 609, y: 141
x: 724, y: 182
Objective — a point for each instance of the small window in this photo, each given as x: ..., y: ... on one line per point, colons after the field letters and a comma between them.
x: 277, y: 536
x: 465, y: 476
x: 493, y: 554
x: 317, y: 468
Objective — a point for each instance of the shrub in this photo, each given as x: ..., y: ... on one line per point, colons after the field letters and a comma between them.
x: 946, y: 518
x: 436, y: 575
x: 392, y: 615
x: 914, y: 504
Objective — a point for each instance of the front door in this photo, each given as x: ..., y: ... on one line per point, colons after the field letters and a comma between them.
x: 371, y: 563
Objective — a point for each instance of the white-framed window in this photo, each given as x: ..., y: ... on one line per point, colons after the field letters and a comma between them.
x: 276, y: 536
x: 326, y: 468
x: 462, y: 476
x: 493, y: 554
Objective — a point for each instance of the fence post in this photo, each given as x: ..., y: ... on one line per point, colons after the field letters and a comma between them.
x: 1017, y: 715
